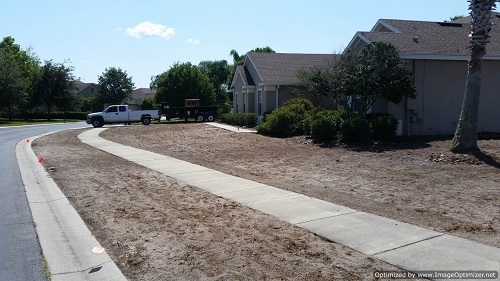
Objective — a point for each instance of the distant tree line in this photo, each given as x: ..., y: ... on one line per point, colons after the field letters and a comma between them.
x: 28, y: 86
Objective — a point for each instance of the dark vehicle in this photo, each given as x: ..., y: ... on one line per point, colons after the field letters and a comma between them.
x: 192, y: 109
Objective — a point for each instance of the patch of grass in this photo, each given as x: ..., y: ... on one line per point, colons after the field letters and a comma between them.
x: 46, y: 269
x: 19, y: 122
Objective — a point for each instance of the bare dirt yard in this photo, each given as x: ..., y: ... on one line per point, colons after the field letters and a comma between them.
x: 158, y: 229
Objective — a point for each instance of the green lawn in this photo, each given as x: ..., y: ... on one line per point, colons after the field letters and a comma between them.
x: 4, y: 122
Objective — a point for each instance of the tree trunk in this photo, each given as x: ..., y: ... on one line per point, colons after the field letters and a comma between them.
x: 465, y: 139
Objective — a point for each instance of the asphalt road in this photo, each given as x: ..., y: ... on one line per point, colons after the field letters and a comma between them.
x: 20, y: 252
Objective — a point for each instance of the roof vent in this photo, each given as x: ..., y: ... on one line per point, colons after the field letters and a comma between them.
x: 415, y: 39
x: 452, y: 24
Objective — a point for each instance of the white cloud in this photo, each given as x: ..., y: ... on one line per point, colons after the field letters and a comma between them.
x: 150, y: 29
x: 193, y: 41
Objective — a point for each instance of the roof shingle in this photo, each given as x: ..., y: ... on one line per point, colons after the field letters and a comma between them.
x: 435, y: 38
x: 283, y: 68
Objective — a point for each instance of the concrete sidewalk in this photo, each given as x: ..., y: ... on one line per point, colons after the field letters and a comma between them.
x: 235, y: 129
x: 67, y: 244
x: 410, y: 247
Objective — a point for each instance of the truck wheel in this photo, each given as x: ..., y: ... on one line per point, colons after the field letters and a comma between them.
x: 97, y: 123
x: 210, y: 118
x: 200, y: 118
x: 146, y: 121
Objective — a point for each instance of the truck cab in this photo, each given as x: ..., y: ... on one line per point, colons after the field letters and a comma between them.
x: 116, y: 113
x: 121, y: 114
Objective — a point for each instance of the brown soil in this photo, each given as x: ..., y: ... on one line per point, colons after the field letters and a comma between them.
x: 417, y: 181
x: 156, y: 228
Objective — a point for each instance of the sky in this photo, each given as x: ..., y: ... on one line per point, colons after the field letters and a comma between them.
x: 146, y: 37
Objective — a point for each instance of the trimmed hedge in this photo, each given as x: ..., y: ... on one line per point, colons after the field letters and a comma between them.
x: 53, y: 115
x: 328, y: 125
x: 248, y: 120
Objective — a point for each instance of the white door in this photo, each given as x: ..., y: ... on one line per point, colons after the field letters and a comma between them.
x: 116, y: 114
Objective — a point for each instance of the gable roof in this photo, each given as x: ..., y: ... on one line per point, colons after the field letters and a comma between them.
x: 141, y: 93
x: 245, y: 75
x: 84, y: 89
x: 82, y: 85
x: 424, y: 39
x: 283, y: 68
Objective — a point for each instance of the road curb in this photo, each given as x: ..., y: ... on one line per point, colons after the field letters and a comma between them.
x: 67, y: 244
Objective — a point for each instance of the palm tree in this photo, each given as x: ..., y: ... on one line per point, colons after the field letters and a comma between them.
x: 237, y: 59
x: 465, y: 139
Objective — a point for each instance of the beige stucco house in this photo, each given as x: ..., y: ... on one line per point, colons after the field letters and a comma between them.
x: 138, y: 95
x: 264, y: 81
x: 436, y: 52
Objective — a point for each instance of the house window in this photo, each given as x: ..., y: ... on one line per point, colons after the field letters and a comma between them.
x: 244, y: 102
x: 259, y: 94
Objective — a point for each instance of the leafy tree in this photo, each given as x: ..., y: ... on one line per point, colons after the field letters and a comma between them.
x: 87, y: 104
x: 114, y: 86
x: 148, y: 103
x: 465, y: 139
x: 379, y: 74
x: 317, y: 87
x: 55, y: 86
x: 217, y: 72
x: 456, y: 17
x: 375, y: 73
x: 239, y: 59
x: 12, y: 86
x: 183, y: 81
x: 18, y: 68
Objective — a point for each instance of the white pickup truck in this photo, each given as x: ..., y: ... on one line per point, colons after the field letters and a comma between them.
x: 121, y: 114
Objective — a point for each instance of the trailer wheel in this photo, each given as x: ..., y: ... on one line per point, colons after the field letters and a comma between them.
x: 146, y: 121
x: 96, y: 122
x: 210, y: 118
x: 200, y: 118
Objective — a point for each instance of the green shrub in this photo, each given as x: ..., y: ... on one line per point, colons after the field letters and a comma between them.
x: 289, y: 120
x: 248, y: 120
x: 325, y: 125
x: 225, y: 117
x: 353, y: 127
x: 301, y: 103
x: 382, y: 126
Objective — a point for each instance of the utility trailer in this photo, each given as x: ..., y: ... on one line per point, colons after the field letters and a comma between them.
x: 191, y: 109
